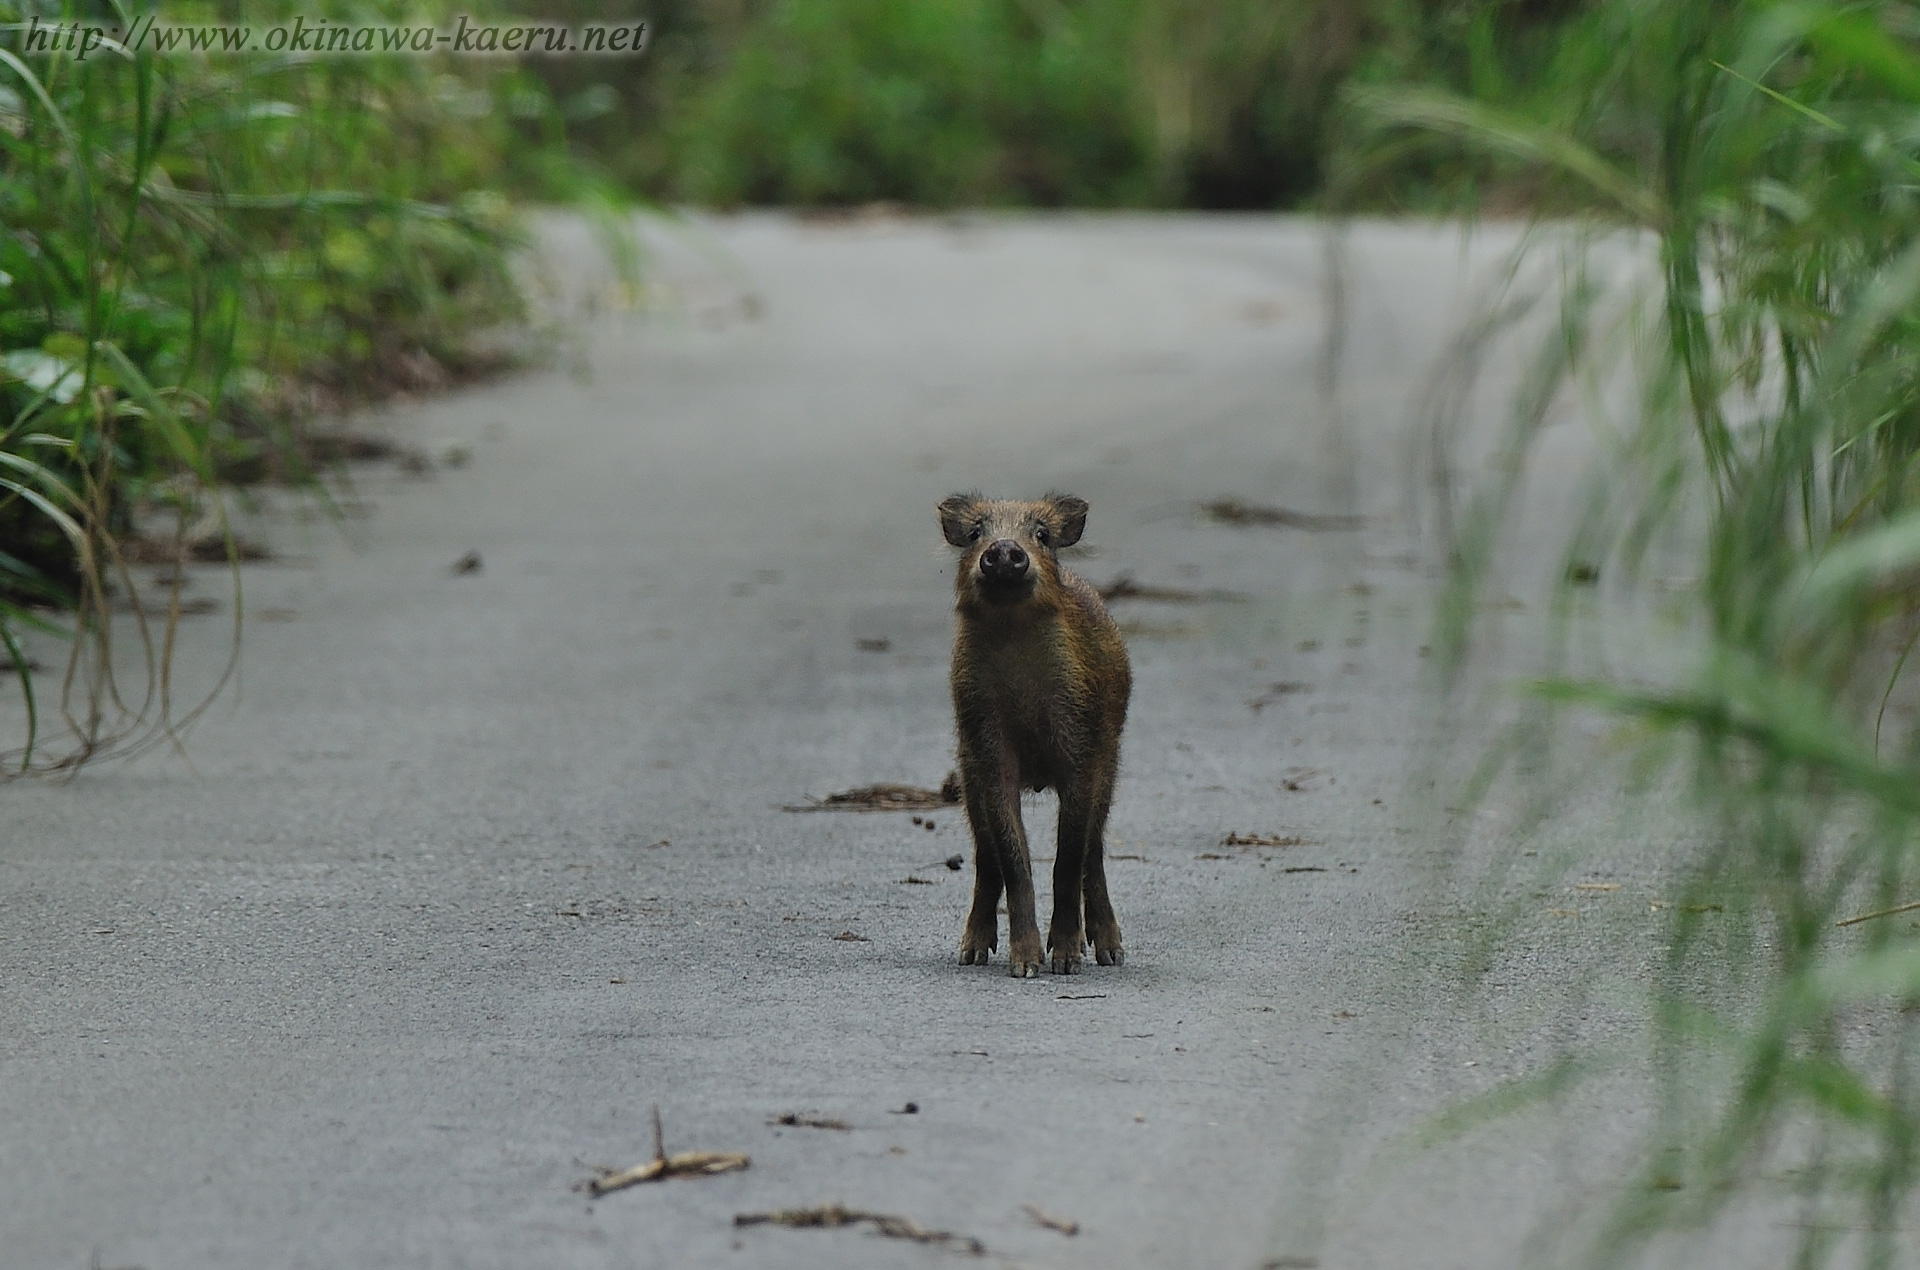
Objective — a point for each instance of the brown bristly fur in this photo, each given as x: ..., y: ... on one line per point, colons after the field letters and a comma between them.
x: 1040, y: 688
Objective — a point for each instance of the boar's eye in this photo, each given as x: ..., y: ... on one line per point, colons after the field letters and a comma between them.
x: 973, y: 535
x: 1041, y: 535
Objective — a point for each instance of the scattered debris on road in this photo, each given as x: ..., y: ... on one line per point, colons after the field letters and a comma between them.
x: 885, y: 796
x: 1158, y: 630
x: 469, y: 563
x: 1845, y: 921
x: 452, y: 452
x: 888, y: 1224
x: 204, y: 548
x: 1124, y: 587
x: 1080, y: 996
x: 911, y: 1109
x: 848, y: 937
x: 662, y: 1166
x: 793, y: 1120
x: 686, y: 1164
x: 1286, y: 687
x: 1053, y: 1223
x: 1231, y: 511
x: 1263, y: 840
x: 873, y: 645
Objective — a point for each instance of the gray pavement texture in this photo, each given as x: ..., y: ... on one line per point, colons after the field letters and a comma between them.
x: 469, y: 871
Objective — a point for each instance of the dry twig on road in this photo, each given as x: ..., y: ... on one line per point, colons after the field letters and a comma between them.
x: 1125, y: 587
x: 885, y: 796
x: 663, y: 1166
x: 1053, y: 1223
x: 1231, y: 511
x: 888, y: 1224
x: 794, y: 1120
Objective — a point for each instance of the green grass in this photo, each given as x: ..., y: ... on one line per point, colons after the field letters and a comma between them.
x: 193, y: 254
x: 1769, y: 151
x: 1210, y: 103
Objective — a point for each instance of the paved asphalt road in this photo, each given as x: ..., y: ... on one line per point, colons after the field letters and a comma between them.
x: 468, y: 871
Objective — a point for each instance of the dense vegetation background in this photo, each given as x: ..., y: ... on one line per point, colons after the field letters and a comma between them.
x: 199, y: 257
x: 1103, y: 103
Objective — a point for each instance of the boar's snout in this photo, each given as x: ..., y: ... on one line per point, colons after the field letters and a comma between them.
x: 1003, y: 562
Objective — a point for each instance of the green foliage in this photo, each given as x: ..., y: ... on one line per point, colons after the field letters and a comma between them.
x: 1769, y: 153
x: 944, y: 102
x: 190, y: 249
x: 1215, y: 103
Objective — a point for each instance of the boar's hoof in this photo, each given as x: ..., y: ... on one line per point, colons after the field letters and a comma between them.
x: 1024, y: 958
x: 977, y: 944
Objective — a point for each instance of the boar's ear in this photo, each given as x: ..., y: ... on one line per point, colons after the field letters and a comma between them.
x: 957, y: 514
x: 1070, y: 515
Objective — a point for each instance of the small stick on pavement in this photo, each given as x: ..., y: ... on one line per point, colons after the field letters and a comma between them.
x: 794, y: 1120
x: 1053, y: 1223
x: 1885, y: 912
x: 885, y: 796
x: 662, y: 1165
x: 888, y: 1224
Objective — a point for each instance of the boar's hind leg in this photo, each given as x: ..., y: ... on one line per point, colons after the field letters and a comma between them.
x: 1103, y: 928
x: 1067, y: 936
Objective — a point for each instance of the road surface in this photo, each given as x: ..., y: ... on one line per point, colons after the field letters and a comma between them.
x: 469, y: 871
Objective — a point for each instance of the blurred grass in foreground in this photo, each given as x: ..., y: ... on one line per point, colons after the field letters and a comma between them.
x: 1772, y: 154
x: 197, y: 256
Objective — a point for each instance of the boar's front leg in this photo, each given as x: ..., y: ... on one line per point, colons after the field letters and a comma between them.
x: 990, y: 776
x: 983, y: 922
